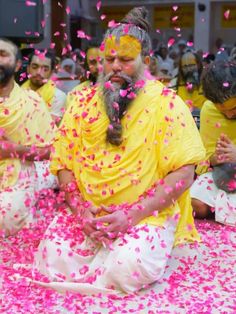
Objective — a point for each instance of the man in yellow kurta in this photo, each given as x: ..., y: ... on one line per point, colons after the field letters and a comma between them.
x: 125, y: 158
x: 218, y: 132
x: 40, y: 69
x: 187, y: 84
x: 27, y: 131
x: 93, y: 64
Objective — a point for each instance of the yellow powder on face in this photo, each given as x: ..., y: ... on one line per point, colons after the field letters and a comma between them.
x: 127, y: 46
x: 228, y: 104
x: 188, y: 59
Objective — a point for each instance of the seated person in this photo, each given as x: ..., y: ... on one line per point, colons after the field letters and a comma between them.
x: 125, y: 157
x: 188, y: 81
x: 40, y: 68
x: 216, y: 189
x: 93, y: 64
x: 27, y: 130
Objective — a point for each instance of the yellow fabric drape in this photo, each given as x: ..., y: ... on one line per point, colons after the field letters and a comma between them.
x: 25, y: 120
x: 213, y: 124
x: 157, y: 139
x: 46, y: 91
x: 196, y: 97
x: 78, y: 92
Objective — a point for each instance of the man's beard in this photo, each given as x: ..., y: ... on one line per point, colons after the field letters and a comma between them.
x: 93, y: 77
x: 116, y: 103
x: 192, y: 77
x: 117, y: 98
x: 6, y: 73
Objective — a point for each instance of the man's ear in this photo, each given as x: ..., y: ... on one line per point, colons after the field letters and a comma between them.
x: 18, y: 65
x: 147, y: 60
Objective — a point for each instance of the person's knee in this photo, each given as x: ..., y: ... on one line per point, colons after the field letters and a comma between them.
x: 200, y: 209
x: 131, y: 272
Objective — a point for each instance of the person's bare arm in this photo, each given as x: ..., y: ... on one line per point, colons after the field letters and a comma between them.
x: 171, y: 188
x: 30, y: 153
x: 78, y: 206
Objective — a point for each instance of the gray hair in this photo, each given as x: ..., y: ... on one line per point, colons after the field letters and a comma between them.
x: 134, y: 24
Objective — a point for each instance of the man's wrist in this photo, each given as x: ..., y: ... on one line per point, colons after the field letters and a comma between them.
x: 69, y: 187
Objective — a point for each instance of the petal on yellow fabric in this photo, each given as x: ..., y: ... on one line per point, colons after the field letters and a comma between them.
x: 192, y: 99
x: 47, y: 91
x: 78, y: 93
x: 213, y: 124
x: 25, y: 120
x: 159, y: 136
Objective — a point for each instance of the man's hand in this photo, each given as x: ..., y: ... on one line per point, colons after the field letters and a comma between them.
x: 116, y: 223
x: 225, y: 150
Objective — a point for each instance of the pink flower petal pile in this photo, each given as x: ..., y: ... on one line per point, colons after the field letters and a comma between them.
x: 199, y: 277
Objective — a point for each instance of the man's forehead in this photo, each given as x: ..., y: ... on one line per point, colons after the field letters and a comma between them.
x: 126, y: 45
x: 93, y: 53
x: 41, y: 60
x: 5, y: 46
x: 188, y: 58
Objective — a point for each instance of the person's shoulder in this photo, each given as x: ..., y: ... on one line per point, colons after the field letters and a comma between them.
x: 78, y: 100
x: 209, y: 108
x: 81, y: 86
x: 30, y: 94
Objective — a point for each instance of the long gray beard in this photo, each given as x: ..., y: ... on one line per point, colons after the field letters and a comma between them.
x: 115, y: 104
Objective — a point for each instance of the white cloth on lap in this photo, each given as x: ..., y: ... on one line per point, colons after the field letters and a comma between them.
x: 16, y: 202
x: 205, y: 190
x: 87, y: 267
x: 45, y: 180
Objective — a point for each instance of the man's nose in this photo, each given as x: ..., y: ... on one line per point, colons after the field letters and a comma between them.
x: 39, y: 70
x: 116, y: 66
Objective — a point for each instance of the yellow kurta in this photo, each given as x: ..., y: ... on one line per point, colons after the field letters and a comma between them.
x: 192, y: 99
x: 78, y: 92
x: 159, y: 135
x: 213, y: 124
x: 46, y: 91
x: 25, y: 120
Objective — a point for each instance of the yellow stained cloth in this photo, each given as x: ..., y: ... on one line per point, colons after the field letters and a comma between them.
x: 46, y: 91
x: 78, y: 93
x: 192, y: 99
x: 159, y: 135
x: 213, y: 124
x: 25, y: 120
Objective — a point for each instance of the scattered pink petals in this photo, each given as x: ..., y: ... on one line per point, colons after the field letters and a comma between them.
x: 98, y: 5
x: 226, y: 14
x: 190, y: 44
x: 67, y: 10
x: 175, y: 7
x: 170, y: 43
x: 30, y: 3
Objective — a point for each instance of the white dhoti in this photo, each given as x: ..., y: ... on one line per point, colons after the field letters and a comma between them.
x: 72, y: 261
x: 45, y: 180
x: 16, y: 202
x: 224, y: 204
